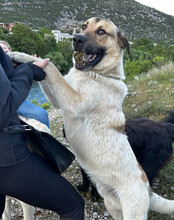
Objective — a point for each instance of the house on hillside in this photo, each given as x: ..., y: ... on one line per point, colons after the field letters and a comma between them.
x: 8, y: 26
x: 61, y: 36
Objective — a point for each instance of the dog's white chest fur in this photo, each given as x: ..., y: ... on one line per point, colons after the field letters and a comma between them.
x: 92, y: 124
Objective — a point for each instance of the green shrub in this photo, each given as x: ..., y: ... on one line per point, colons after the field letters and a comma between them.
x: 136, y: 67
x: 35, y: 102
x: 159, y: 61
x: 59, y: 61
x: 45, y: 105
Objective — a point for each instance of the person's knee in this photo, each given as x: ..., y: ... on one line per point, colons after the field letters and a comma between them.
x: 43, y: 117
x: 30, y: 110
x: 78, y: 213
x: 2, y: 204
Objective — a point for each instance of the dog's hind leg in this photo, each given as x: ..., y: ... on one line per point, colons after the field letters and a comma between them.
x: 28, y: 211
x: 111, y: 206
x: 114, y: 208
x: 134, y: 204
x: 7, y: 211
x: 84, y: 187
x: 130, y: 203
x: 111, y: 201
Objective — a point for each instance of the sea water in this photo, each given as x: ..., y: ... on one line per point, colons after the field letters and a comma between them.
x: 37, y: 94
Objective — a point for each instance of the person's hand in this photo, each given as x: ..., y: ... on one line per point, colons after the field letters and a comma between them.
x: 42, y: 63
x: 35, y: 55
x: 38, y: 73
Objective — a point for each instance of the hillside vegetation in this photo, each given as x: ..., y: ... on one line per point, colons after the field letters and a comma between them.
x: 151, y: 94
x: 135, y: 19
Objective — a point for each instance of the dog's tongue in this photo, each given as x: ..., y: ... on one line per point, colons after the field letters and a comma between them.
x: 79, y: 58
x: 82, y: 59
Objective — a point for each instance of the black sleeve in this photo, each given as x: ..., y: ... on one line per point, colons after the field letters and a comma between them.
x: 15, y: 90
x: 15, y: 85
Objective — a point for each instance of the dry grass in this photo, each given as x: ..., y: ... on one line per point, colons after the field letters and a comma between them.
x: 151, y: 95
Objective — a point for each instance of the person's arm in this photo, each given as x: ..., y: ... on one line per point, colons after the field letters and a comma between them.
x: 14, y: 91
x: 22, y: 81
x: 5, y: 88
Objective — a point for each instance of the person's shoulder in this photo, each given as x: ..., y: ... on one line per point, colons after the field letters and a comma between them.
x: 6, y: 63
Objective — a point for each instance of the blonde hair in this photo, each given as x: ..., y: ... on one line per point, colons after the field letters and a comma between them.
x: 5, y: 43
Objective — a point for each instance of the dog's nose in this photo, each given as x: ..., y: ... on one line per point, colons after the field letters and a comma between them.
x: 79, y: 39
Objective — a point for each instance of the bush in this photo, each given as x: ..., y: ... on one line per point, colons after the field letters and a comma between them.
x: 136, y: 67
x: 34, y: 102
x: 59, y: 61
x: 159, y: 61
x: 45, y: 105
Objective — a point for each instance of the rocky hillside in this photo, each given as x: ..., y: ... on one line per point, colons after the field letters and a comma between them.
x: 135, y: 19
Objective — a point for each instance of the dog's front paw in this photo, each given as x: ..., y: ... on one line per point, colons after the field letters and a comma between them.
x: 18, y: 57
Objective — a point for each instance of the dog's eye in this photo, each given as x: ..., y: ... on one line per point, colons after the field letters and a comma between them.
x: 101, y: 32
x: 84, y: 26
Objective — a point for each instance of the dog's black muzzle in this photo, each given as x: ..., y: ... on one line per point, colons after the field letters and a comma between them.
x: 78, y: 42
x: 87, y: 52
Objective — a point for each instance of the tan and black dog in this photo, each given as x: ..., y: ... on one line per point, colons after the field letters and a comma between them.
x: 90, y: 97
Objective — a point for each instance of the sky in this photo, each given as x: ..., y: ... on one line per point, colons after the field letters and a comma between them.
x: 166, y: 6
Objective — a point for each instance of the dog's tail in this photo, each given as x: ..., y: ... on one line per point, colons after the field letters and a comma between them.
x: 170, y: 126
x: 161, y: 205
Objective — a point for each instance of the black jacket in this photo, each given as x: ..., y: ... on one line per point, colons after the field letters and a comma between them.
x: 15, y: 85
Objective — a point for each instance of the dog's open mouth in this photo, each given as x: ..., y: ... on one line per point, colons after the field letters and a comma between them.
x: 85, y: 61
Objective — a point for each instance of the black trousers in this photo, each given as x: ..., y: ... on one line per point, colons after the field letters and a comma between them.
x: 34, y: 182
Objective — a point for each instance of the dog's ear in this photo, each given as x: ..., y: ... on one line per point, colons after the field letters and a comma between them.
x: 123, y: 41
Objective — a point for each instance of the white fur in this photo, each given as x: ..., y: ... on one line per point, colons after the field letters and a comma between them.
x: 91, y: 102
x: 102, y: 152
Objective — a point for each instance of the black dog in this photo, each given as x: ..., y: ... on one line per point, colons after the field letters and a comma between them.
x: 152, y: 144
